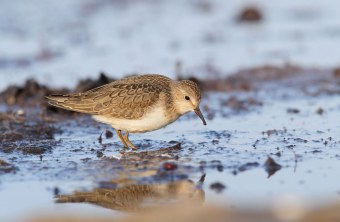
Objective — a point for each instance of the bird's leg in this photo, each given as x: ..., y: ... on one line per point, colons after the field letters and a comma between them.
x: 126, y: 138
x: 119, y: 133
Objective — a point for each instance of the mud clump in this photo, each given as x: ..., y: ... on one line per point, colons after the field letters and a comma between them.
x: 35, y: 150
x: 30, y: 94
x: 250, y: 14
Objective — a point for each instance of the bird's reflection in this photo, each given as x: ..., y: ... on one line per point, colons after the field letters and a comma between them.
x: 135, y: 197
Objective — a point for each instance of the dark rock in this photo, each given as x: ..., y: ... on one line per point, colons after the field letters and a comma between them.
x: 108, y: 134
x: 320, y: 111
x: 271, y: 166
x: 218, y: 187
x: 220, y: 168
x: 56, y: 191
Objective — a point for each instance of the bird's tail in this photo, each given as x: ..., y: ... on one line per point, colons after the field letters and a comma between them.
x: 73, y: 102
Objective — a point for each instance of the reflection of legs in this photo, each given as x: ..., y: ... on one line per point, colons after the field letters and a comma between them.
x: 126, y: 138
x: 119, y: 133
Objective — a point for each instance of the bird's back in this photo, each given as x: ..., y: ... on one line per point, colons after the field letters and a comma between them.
x: 128, y: 98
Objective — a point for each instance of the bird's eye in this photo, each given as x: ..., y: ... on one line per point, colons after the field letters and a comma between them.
x: 187, y: 97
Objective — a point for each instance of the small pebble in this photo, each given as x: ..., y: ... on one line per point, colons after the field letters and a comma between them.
x: 108, y: 134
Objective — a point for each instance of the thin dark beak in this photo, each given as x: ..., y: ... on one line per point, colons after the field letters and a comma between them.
x: 199, y: 114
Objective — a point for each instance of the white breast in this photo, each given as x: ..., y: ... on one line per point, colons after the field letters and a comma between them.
x: 153, y: 120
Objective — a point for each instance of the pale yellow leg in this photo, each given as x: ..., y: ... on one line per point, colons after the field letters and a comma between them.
x: 126, y: 138
x: 119, y: 133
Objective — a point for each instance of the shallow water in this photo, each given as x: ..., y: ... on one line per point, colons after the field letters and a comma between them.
x: 232, y: 150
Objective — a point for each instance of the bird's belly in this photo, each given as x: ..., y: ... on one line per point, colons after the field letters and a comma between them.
x: 153, y: 120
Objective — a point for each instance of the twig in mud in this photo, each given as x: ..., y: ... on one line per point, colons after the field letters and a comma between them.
x: 100, y: 140
x: 295, y: 160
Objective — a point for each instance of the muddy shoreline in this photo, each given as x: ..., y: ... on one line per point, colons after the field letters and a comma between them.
x: 254, y: 126
x: 29, y: 124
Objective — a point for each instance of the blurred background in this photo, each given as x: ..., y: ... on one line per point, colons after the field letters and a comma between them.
x: 58, y: 42
x: 276, y: 153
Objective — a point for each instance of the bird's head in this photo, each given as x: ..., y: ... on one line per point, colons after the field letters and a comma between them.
x: 187, y: 98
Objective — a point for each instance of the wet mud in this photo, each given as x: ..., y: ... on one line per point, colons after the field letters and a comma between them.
x: 266, y: 124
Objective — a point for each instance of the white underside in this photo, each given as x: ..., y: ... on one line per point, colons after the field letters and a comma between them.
x: 154, y: 120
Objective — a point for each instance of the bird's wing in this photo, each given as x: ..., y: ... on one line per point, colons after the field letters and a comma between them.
x: 117, y: 99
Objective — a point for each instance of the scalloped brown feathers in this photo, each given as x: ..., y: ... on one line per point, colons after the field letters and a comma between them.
x: 129, y: 98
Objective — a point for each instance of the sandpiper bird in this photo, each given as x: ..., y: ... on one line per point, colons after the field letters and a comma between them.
x: 135, y: 104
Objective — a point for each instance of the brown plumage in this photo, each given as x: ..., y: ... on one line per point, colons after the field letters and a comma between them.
x: 128, y: 98
x: 135, y: 104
